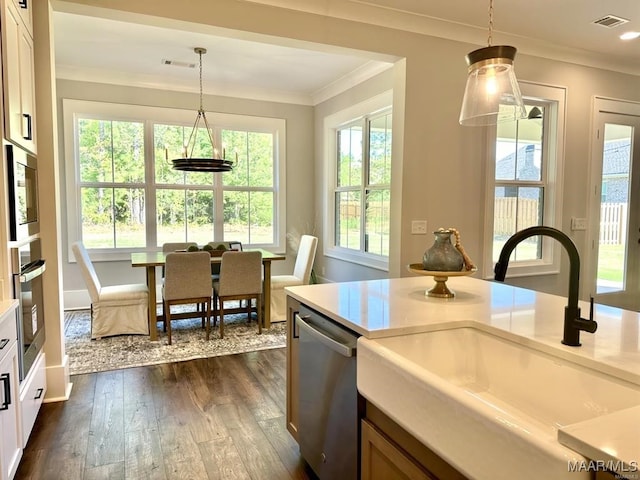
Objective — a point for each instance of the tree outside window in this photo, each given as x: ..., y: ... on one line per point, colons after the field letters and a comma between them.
x: 112, y: 194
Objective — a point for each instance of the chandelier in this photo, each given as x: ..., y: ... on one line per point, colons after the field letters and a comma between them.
x: 189, y: 163
x: 492, y: 94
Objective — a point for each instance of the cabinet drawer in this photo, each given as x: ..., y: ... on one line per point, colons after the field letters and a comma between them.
x: 32, y: 394
x: 8, y: 331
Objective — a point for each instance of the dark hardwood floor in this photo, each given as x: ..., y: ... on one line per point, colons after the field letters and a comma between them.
x: 214, y: 418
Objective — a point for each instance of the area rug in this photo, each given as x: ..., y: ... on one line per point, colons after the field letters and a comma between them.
x: 188, y: 342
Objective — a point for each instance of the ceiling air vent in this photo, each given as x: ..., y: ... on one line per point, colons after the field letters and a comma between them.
x: 176, y: 63
x: 611, y: 21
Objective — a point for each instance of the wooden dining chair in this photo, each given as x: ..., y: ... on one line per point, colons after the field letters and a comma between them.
x: 240, y: 279
x: 187, y: 281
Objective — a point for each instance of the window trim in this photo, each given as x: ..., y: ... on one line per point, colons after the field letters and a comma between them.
x: 149, y: 115
x: 331, y: 123
x: 554, y: 98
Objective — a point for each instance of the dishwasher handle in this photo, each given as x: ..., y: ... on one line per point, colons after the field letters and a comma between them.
x: 336, y: 346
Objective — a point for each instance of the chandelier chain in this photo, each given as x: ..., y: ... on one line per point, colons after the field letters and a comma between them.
x: 200, y: 54
x: 490, y: 37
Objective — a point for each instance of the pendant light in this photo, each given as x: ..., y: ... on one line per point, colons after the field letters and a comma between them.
x: 492, y: 94
x: 187, y: 162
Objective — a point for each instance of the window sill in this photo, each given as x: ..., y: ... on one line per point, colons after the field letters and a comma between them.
x: 359, y: 258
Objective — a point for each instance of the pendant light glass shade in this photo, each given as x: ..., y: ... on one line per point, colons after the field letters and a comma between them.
x: 492, y: 94
x: 490, y: 84
x: 216, y: 162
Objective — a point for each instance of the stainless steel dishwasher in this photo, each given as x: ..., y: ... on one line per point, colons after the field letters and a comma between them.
x: 328, y: 416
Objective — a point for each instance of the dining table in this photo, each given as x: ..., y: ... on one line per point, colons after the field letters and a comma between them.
x: 151, y: 260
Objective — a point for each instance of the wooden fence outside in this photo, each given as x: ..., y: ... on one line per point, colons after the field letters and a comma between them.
x: 524, y: 212
x: 613, y: 223
x: 511, y: 213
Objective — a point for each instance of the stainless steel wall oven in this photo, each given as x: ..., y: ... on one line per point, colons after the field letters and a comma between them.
x: 23, y: 194
x: 28, y: 267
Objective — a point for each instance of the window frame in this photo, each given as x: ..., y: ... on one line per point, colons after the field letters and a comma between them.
x: 149, y: 116
x: 553, y: 98
x: 373, y: 107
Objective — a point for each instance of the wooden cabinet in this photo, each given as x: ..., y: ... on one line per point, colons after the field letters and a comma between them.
x: 18, y: 76
x: 390, y: 452
x: 293, y: 370
x: 381, y: 459
x: 32, y: 393
x: 10, y: 436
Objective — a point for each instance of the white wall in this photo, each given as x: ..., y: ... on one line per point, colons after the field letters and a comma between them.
x: 299, y: 147
x: 442, y: 172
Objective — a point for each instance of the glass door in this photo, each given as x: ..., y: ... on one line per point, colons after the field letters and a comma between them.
x: 617, y: 267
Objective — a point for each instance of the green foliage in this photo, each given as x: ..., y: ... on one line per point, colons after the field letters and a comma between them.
x: 112, y: 178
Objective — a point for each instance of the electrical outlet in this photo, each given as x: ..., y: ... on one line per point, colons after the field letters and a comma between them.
x: 578, y: 223
x: 418, y: 227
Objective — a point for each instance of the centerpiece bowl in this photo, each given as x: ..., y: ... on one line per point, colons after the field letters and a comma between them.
x: 440, y: 289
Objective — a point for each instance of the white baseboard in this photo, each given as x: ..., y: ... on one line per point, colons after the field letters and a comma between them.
x: 76, y: 299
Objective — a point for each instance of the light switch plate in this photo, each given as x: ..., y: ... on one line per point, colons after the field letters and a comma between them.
x: 418, y: 227
x: 578, y: 223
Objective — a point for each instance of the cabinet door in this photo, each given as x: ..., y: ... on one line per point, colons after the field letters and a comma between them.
x: 32, y: 392
x: 18, y: 79
x: 381, y: 459
x: 293, y: 369
x: 10, y: 441
x: 24, y: 8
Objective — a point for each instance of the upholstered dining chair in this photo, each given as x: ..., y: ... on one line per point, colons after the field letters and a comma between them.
x: 301, y: 276
x: 175, y: 246
x: 231, y: 245
x: 240, y: 279
x: 187, y: 281
x: 169, y: 247
x: 116, y: 309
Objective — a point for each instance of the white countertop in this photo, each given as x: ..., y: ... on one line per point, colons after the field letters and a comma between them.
x: 613, y: 439
x: 7, y: 305
x: 384, y: 308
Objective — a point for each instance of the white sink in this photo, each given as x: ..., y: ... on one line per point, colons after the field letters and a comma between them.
x: 489, y: 406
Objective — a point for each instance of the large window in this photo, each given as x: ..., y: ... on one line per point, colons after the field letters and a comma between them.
x: 360, y: 164
x: 524, y: 179
x: 127, y: 196
x: 112, y: 183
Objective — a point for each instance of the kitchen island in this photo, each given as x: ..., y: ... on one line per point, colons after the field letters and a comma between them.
x: 527, y: 322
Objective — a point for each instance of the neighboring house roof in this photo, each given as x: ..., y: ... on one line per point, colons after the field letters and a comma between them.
x: 527, y: 170
x: 615, y: 162
x: 616, y: 158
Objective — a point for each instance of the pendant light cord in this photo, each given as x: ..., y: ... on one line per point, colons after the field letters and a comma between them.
x: 490, y: 37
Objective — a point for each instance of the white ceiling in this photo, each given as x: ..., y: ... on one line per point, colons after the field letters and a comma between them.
x: 237, y: 64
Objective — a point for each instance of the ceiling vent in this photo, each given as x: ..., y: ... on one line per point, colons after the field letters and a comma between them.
x: 176, y: 63
x: 611, y: 21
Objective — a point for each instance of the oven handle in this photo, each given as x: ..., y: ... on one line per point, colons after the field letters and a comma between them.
x: 6, y: 379
x: 33, y: 272
x: 341, y: 348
